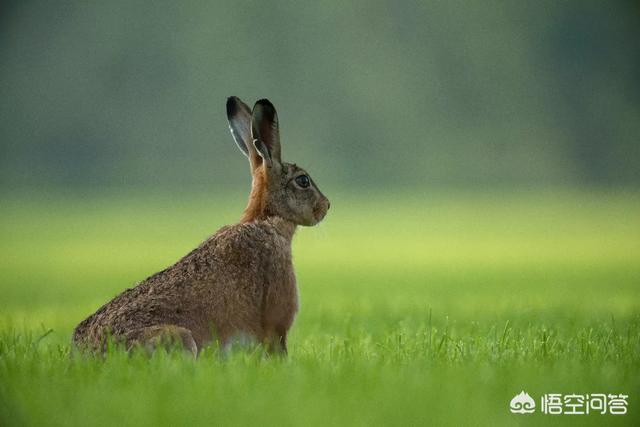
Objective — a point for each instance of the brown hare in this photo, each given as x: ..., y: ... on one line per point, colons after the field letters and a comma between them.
x: 238, y: 283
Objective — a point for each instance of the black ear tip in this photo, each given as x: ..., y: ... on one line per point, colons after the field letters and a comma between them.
x: 232, y: 105
x: 266, y: 108
x: 265, y: 103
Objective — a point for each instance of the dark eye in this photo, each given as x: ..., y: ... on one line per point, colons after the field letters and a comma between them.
x: 303, y: 181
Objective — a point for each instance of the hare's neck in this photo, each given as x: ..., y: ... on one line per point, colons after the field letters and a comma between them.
x: 284, y: 227
x: 256, y: 208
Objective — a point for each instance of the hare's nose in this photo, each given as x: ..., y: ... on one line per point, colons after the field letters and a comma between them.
x: 328, y: 204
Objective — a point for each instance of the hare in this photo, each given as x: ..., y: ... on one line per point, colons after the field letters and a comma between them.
x: 239, y: 282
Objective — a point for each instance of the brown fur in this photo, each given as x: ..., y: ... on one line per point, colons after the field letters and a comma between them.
x: 240, y: 281
x: 257, y: 198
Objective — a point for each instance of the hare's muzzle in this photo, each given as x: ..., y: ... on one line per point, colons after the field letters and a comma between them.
x: 321, y: 208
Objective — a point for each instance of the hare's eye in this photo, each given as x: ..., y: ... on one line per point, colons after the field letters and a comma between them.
x: 303, y: 181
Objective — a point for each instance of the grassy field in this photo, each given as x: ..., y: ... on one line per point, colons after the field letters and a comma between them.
x: 415, y: 309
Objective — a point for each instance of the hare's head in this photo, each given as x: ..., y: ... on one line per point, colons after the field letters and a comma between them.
x: 278, y: 188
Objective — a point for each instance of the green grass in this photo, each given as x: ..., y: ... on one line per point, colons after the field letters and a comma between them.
x: 415, y: 309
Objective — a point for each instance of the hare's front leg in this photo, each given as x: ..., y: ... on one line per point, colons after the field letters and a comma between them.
x: 281, y: 307
x: 282, y: 343
x: 275, y: 341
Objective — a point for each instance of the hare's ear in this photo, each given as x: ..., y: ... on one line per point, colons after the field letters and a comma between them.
x: 239, y: 116
x: 264, y: 131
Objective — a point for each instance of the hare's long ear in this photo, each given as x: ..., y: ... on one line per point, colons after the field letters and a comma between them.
x: 265, y: 132
x: 239, y: 116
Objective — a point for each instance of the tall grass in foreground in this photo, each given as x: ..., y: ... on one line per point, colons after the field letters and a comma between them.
x: 416, y: 311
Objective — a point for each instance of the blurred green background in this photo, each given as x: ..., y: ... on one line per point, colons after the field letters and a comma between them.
x: 118, y: 95
x: 482, y: 160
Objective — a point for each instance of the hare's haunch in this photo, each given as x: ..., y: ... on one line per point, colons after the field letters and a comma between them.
x: 240, y: 281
